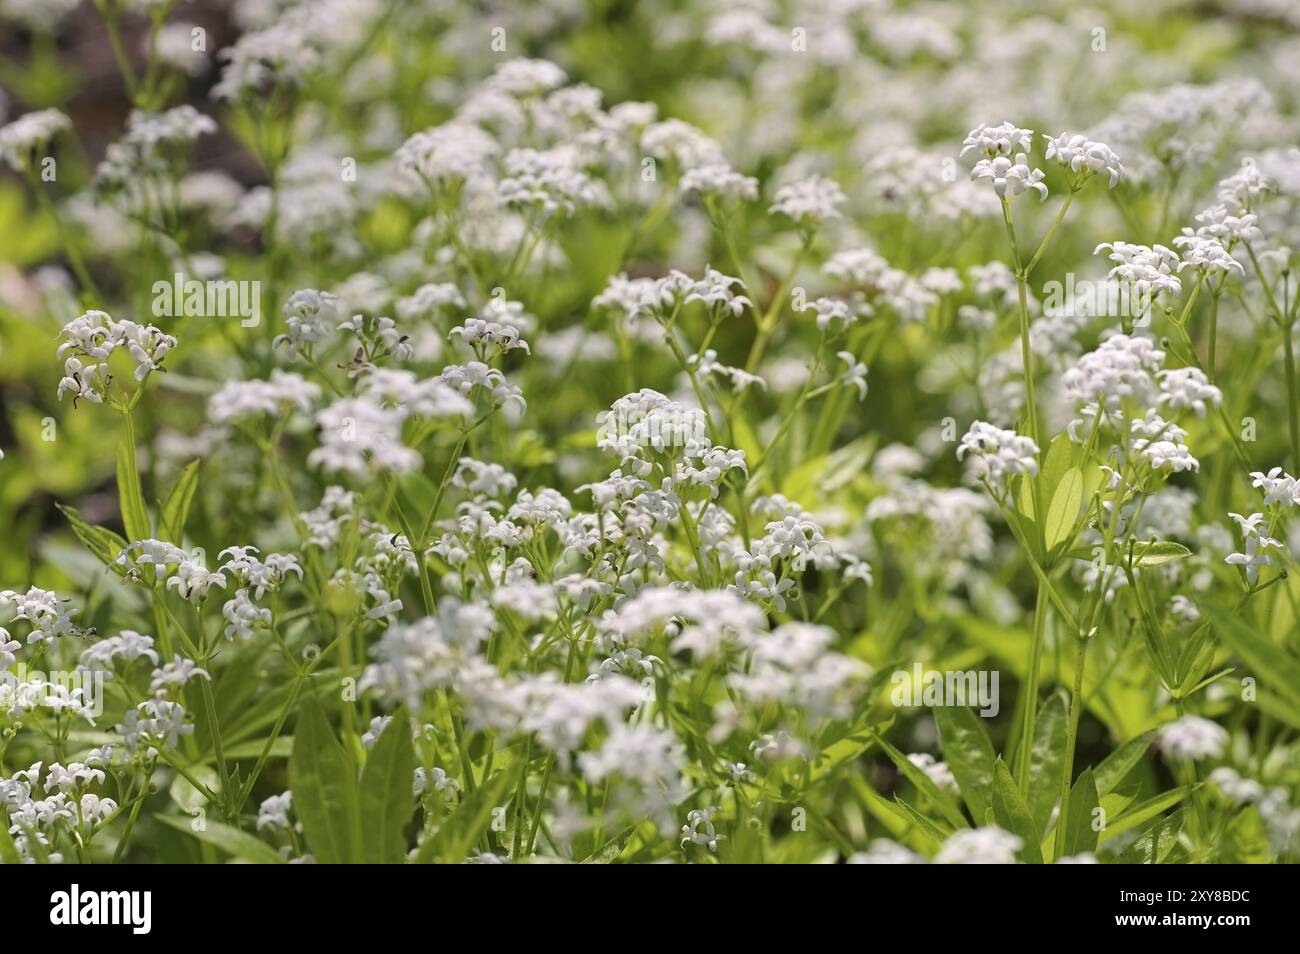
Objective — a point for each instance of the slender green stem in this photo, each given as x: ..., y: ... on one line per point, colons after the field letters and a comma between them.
x: 1031, y: 691
x: 1071, y: 738
x: 1047, y: 239
x: 1292, y: 399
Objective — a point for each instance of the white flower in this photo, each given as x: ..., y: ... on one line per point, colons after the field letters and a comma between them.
x: 551, y: 182
x: 1183, y: 609
x: 1007, y: 176
x: 882, y: 851
x: 938, y: 772
x: 1193, y: 737
x: 810, y: 202
x: 243, y: 616
x: 357, y: 435
x: 192, y: 579
x: 176, y: 673
x: 28, y: 135
x: 488, y: 337
x: 699, y: 830
x: 127, y: 645
x: 524, y: 77
x: 855, y: 375
x: 1218, y: 222
x: 311, y: 316
x: 47, y: 614
x: 979, y: 846
x: 683, y: 143
x: 1000, y: 140
x: 1278, y: 487
x: 427, y: 300
x: 1245, y: 187
x: 273, y: 813
x: 832, y: 313
x: 1235, y: 788
x: 708, y: 366
x: 1149, y: 269
x: 91, y: 338
x: 715, y: 291
x: 1162, y: 454
x: 1254, y: 540
x: 719, y: 179
x: 1206, y: 254
x: 634, y: 298
x: 155, y: 721
x: 1081, y: 154
x: 1187, y: 387
x: 285, y: 390
x: 445, y: 155
x: 997, y: 453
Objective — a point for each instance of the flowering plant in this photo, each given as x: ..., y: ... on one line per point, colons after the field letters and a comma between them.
x: 459, y: 448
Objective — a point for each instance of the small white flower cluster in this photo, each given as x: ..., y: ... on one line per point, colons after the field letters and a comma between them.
x: 810, y: 202
x: 550, y: 182
x: 1193, y: 738
x: 1005, y: 161
x: 91, y: 339
x: 45, y: 800
x: 284, y: 392
x: 997, y: 454
x: 311, y: 317
x: 48, y: 615
x: 1149, y: 270
x: 878, y: 285
x: 24, y: 139
x: 1255, y: 544
x: 1082, y: 154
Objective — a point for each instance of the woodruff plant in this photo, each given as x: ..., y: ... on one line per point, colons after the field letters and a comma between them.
x: 595, y: 482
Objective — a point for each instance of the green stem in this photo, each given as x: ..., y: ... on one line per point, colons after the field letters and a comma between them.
x: 1031, y: 690
x: 1292, y: 407
x: 1071, y: 739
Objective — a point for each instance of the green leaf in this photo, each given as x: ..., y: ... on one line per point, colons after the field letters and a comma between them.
x: 1264, y: 657
x: 387, y: 799
x: 1115, y: 767
x: 324, y: 787
x: 1063, y: 511
x: 1154, y: 845
x: 1144, y: 812
x: 1011, y: 813
x: 929, y: 829
x: 176, y: 508
x: 1156, y: 552
x: 1080, y: 836
x: 135, y: 516
x: 103, y: 543
x: 925, y: 785
x: 1047, y: 759
x: 453, y: 840
x: 1057, y: 461
x: 8, y: 850
x: 969, y: 754
x: 1245, y: 842
x: 238, y: 844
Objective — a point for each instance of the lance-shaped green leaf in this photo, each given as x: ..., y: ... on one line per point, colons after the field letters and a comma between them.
x: 969, y: 754
x: 324, y: 786
x: 1012, y: 814
x: 387, y: 798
